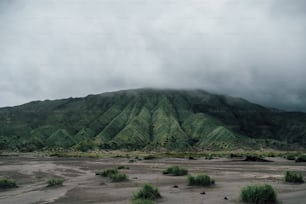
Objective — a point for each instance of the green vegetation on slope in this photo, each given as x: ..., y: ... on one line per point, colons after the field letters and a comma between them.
x: 148, y: 119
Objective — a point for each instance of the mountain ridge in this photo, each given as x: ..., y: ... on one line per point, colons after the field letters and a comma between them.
x: 150, y: 119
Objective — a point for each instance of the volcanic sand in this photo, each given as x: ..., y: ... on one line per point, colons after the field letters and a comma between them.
x: 82, y: 185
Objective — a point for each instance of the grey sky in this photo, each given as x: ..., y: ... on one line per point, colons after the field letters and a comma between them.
x: 255, y: 49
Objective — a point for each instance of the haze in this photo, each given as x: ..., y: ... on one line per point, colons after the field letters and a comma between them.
x: 253, y: 49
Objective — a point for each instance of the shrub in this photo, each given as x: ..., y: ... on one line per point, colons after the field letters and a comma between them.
x: 200, y: 180
x: 290, y: 157
x: 293, y: 177
x: 149, y: 157
x: 147, y: 192
x: 113, y: 174
x: 301, y: 158
x: 209, y: 157
x: 117, y: 177
x: 175, y: 171
x: 55, y: 182
x: 7, y: 183
x: 108, y: 172
x: 259, y: 194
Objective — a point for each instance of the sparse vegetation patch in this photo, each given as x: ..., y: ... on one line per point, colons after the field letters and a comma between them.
x: 294, y: 177
x: 55, y: 182
x: 113, y: 175
x: 7, y: 183
x: 259, y: 194
x: 108, y: 172
x: 118, y: 177
x: 200, y: 180
x: 147, y: 193
x: 301, y: 158
x: 175, y: 171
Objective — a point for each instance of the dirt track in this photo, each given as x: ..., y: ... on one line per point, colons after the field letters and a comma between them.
x: 83, y: 186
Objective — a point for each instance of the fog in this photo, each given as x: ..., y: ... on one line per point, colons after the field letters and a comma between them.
x: 61, y: 48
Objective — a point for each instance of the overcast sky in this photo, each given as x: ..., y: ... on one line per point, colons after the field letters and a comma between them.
x: 255, y: 49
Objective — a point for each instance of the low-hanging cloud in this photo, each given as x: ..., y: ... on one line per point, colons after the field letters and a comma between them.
x: 252, y: 49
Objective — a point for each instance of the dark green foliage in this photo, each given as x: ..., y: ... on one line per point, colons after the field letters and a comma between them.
x: 55, y: 182
x: 113, y: 175
x: 118, y: 177
x: 290, y: 157
x: 200, y: 180
x: 259, y: 194
x: 293, y: 177
x: 85, y: 145
x: 147, y: 192
x: 149, y: 157
x: 108, y: 172
x: 301, y: 158
x: 175, y: 171
x: 7, y: 183
x: 150, y: 119
x: 3, y: 142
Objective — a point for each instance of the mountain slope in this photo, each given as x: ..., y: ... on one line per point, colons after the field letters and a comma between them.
x: 150, y: 119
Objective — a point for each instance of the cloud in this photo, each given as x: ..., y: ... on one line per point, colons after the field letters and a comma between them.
x: 252, y: 49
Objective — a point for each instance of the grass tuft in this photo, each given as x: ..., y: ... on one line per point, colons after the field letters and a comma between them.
x: 175, y: 171
x: 118, y: 177
x: 259, y: 194
x: 301, y: 158
x: 114, y: 175
x: 55, y: 182
x: 7, y: 183
x: 108, y: 172
x: 147, y: 192
x: 200, y: 180
x: 294, y: 177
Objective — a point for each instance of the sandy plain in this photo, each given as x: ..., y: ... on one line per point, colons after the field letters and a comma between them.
x: 82, y: 185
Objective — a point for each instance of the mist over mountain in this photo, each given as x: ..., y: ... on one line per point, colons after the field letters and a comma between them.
x: 56, y: 49
x: 150, y: 119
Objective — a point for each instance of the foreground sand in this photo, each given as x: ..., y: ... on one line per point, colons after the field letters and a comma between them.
x: 83, y: 186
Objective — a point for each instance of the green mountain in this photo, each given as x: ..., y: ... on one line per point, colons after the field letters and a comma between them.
x: 150, y: 119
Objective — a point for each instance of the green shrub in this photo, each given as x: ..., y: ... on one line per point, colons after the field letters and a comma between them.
x: 149, y: 157
x: 55, y: 182
x: 108, y: 172
x: 290, y: 157
x: 113, y: 174
x: 293, y: 177
x: 7, y: 183
x: 301, y: 158
x: 117, y: 177
x: 259, y: 194
x: 175, y: 171
x: 200, y: 180
x: 147, y: 192
x: 209, y: 157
